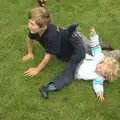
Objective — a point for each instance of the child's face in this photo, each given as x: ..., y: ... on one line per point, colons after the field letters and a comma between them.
x: 33, y: 27
x: 101, y: 69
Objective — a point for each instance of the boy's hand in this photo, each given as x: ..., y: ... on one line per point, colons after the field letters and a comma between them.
x: 100, y: 97
x: 28, y: 56
x: 31, y: 72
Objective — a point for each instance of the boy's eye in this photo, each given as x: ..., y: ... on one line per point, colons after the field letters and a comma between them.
x: 40, y: 26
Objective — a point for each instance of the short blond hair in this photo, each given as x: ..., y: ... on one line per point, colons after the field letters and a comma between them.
x: 40, y: 15
x: 111, y: 68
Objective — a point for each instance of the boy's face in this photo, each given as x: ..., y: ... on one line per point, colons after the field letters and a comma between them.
x: 33, y: 27
x: 101, y: 69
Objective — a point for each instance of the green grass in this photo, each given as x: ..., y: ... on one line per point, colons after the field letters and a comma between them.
x: 19, y: 95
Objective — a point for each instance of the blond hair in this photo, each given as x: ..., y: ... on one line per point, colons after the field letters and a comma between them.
x: 40, y: 15
x: 111, y: 68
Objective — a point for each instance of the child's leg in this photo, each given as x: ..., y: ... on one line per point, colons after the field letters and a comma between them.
x: 68, y: 75
x: 79, y: 54
x: 65, y: 78
x: 60, y: 81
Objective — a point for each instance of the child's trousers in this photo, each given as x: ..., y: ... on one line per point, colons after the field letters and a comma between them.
x: 68, y: 74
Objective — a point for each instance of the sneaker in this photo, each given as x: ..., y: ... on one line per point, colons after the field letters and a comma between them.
x: 44, y: 92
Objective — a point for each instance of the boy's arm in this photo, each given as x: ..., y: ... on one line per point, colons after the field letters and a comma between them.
x: 29, y: 46
x: 44, y: 61
x: 96, y: 48
x: 29, y: 55
x: 95, y: 44
x: 98, y: 88
x: 34, y: 71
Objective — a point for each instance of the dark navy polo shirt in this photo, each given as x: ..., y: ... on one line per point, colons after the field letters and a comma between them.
x: 54, y: 40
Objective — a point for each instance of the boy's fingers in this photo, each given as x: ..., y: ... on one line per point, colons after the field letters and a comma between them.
x: 25, y: 58
x: 101, y: 98
x: 29, y: 74
x: 98, y: 96
x: 27, y: 71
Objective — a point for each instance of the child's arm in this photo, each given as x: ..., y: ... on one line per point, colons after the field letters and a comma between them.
x: 95, y: 47
x: 44, y: 61
x: 95, y: 43
x: 35, y: 70
x: 29, y: 55
x: 98, y: 88
x: 29, y: 46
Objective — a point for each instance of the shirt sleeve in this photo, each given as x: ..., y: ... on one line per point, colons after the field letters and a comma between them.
x: 95, y: 44
x: 96, y: 48
x: 98, y: 85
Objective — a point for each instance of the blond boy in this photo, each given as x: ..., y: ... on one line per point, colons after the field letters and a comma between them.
x: 97, y: 67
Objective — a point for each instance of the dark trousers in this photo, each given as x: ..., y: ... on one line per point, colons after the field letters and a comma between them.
x: 67, y: 75
x: 65, y: 78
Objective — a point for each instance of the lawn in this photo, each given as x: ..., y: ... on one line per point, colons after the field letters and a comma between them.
x: 19, y: 95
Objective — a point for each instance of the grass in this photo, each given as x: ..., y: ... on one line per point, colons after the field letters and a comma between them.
x: 19, y: 95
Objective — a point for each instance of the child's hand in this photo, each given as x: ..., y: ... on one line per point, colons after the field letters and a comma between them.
x: 28, y: 56
x: 100, y: 97
x: 31, y: 72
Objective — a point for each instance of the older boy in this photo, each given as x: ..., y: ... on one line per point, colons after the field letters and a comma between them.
x: 65, y: 44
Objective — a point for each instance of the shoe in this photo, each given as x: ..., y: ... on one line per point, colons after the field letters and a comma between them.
x: 44, y: 92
